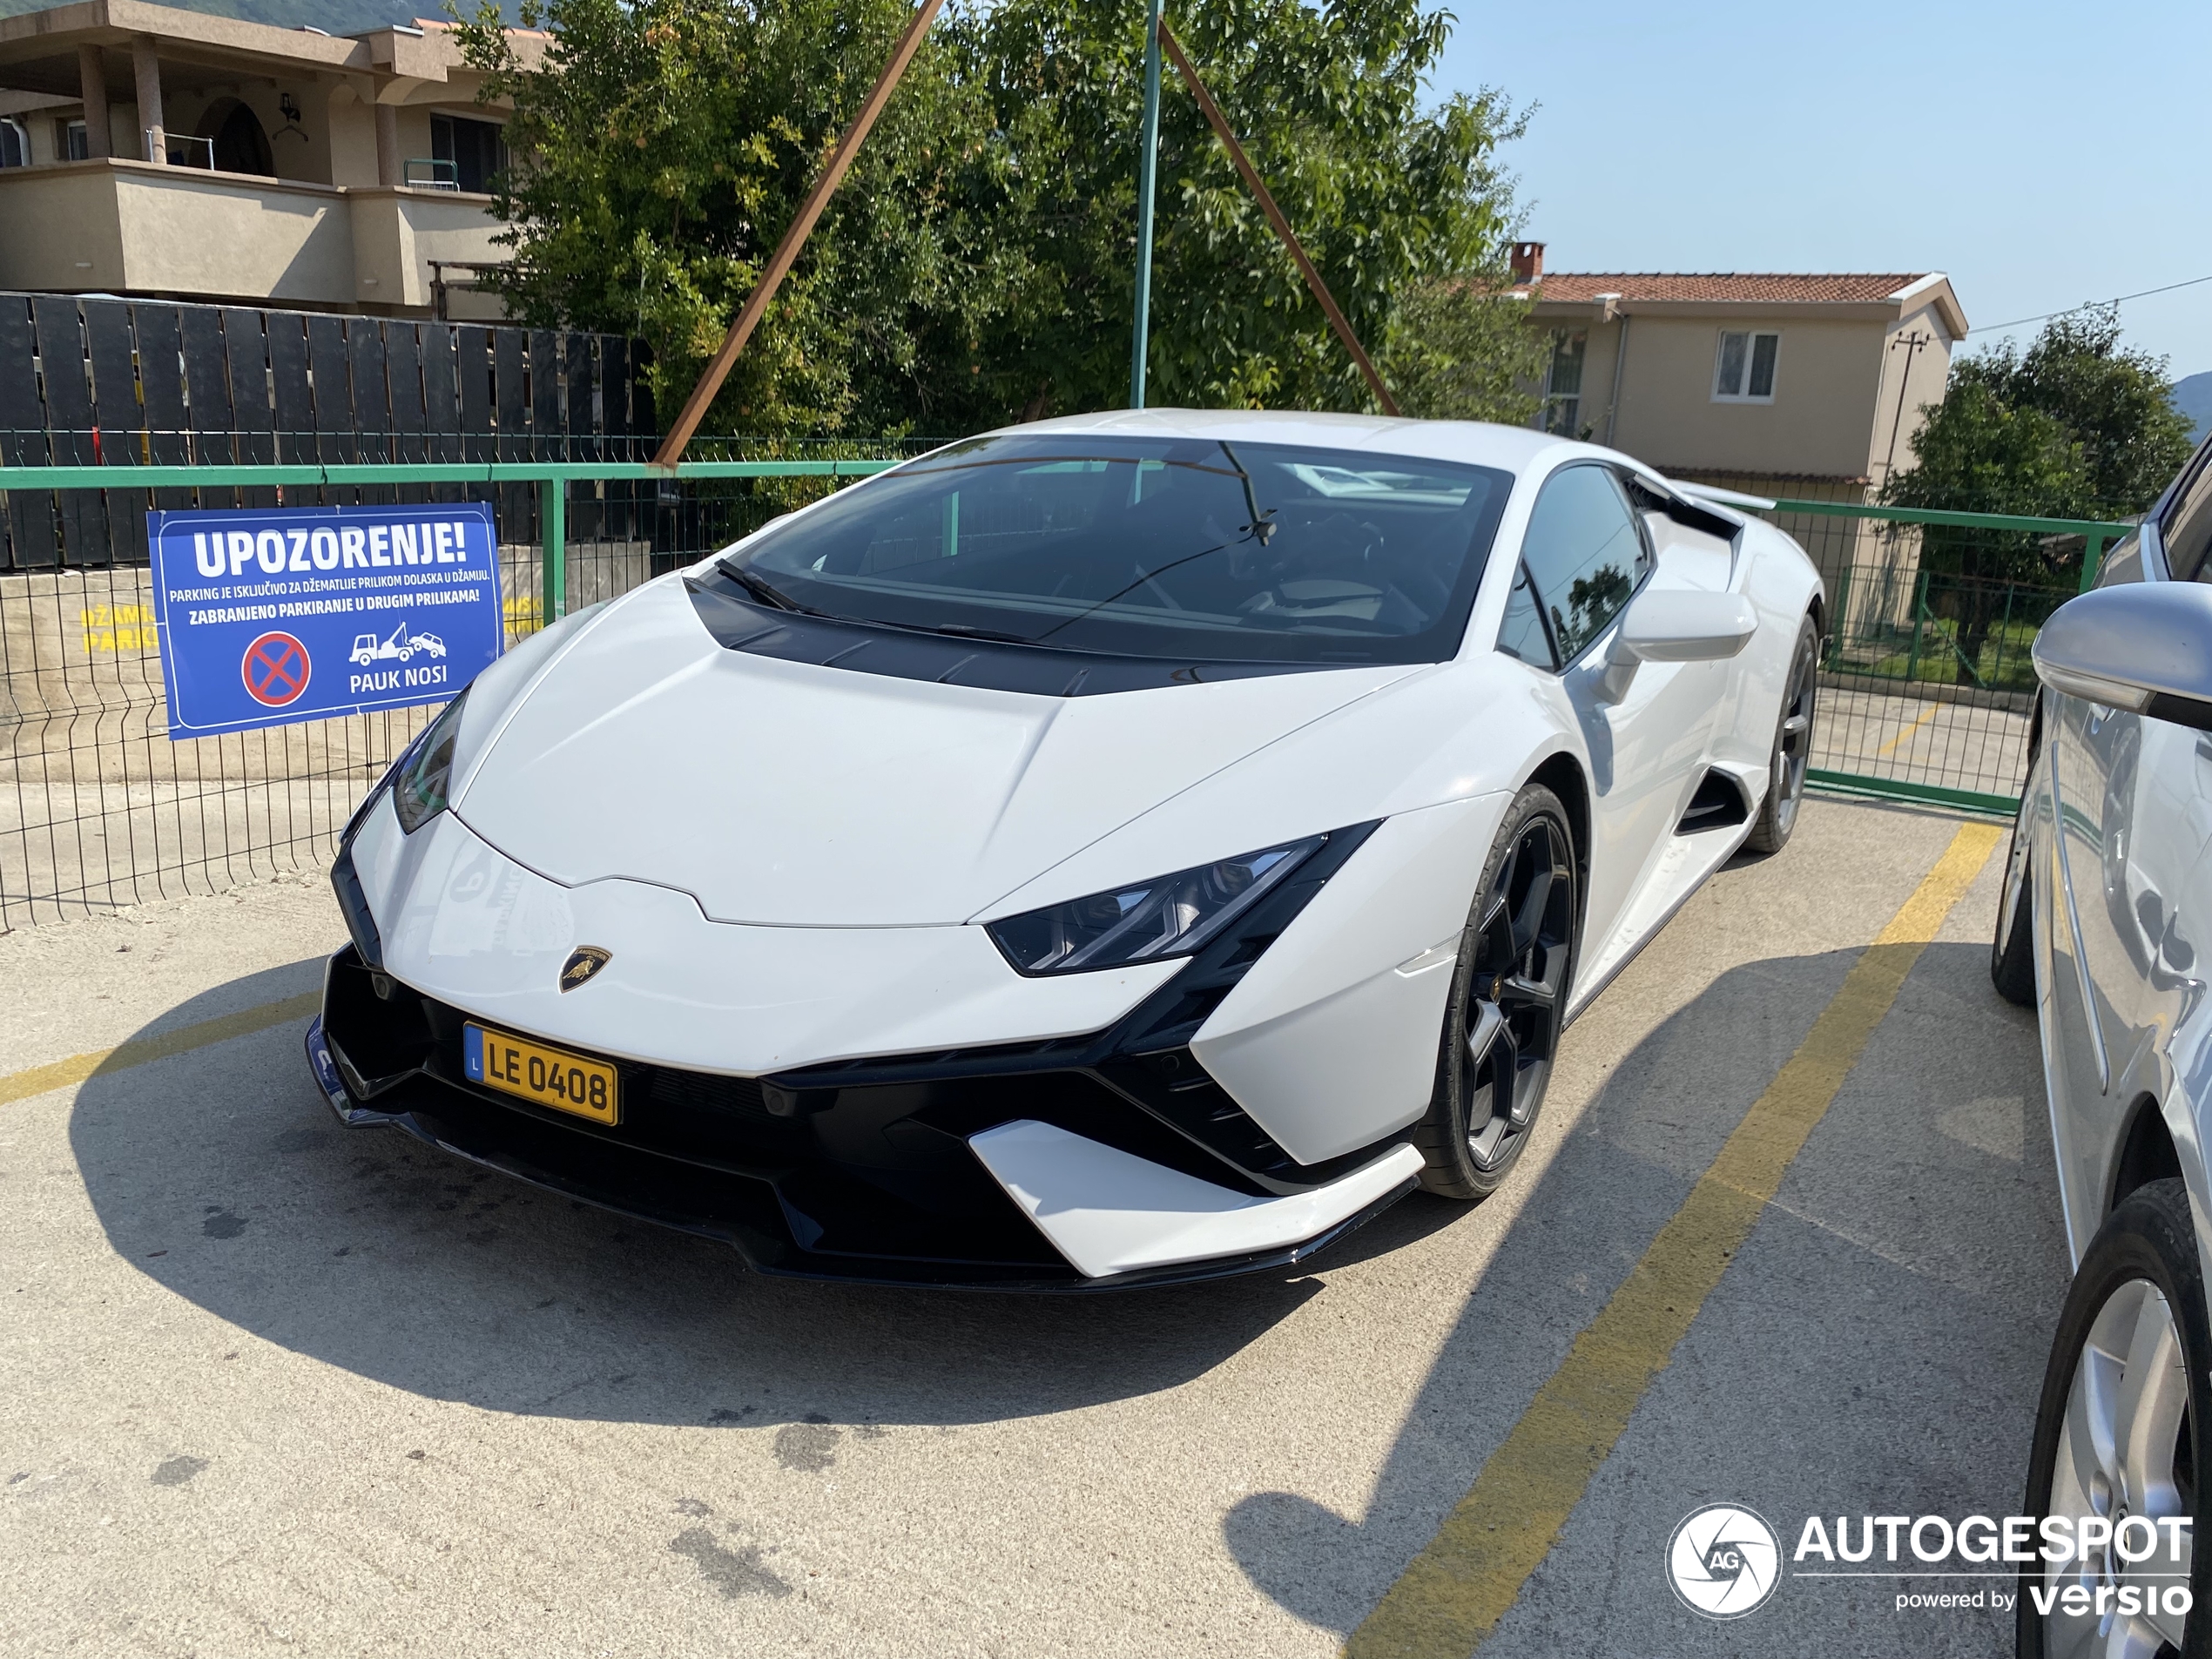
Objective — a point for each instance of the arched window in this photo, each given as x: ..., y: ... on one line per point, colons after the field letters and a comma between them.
x: 241, y: 142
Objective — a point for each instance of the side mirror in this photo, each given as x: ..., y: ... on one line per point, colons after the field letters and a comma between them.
x: 1676, y: 625
x: 2140, y: 646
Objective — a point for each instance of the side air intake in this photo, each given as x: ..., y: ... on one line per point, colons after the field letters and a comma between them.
x: 1718, y: 804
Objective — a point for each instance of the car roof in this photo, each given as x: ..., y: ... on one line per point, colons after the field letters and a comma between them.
x: 1510, y: 448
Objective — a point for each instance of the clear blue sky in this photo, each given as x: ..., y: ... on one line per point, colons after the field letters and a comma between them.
x: 2042, y: 154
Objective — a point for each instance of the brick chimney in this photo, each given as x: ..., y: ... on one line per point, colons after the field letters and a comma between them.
x: 1528, y: 263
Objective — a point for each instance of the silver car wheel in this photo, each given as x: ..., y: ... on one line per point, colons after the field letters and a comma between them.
x: 2126, y: 1417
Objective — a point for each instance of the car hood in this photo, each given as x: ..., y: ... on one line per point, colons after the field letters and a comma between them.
x: 791, y: 794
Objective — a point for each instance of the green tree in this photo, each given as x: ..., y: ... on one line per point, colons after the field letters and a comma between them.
x: 661, y: 147
x: 978, y: 264
x: 1463, y: 351
x: 2075, y: 426
x: 1398, y: 204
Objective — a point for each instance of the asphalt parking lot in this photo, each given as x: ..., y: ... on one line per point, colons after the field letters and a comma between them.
x: 275, y: 1387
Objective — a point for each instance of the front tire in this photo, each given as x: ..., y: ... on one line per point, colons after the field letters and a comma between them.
x: 1502, y: 1022
x: 2115, y: 1434
x: 2012, y: 951
x: 1785, y: 787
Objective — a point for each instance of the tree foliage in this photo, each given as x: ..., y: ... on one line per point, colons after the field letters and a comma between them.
x: 2075, y: 426
x: 977, y: 266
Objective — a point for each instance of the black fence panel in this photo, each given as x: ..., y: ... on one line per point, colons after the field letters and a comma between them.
x: 115, y: 406
x: 121, y: 383
x: 161, y: 387
x: 245, y: 343
x: 60, y: 333
x: 30, y: 528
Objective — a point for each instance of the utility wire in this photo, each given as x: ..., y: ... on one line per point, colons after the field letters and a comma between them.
x: 1990, y: 328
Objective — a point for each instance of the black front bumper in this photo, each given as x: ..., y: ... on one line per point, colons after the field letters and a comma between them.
x: 857, y: 1171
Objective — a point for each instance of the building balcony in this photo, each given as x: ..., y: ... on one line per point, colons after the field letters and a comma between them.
x: 119, y: 226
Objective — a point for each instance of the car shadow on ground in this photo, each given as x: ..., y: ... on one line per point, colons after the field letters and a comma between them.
x: 222, y: 1175
x: 1876, y: 1347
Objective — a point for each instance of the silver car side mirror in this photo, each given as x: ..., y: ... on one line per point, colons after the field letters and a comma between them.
x: 1676, y: 625
x: 2140, y: 646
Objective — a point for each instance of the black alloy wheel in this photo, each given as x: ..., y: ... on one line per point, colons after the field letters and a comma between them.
x: 1792, y: 747
x: 1502, y: 1022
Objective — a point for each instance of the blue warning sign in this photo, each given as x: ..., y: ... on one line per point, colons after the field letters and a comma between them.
x: 284, y: 614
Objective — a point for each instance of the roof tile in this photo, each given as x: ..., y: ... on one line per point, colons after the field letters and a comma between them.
x: 1767, y: 289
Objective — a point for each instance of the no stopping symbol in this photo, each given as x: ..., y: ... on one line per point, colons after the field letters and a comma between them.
x: 275, y: 669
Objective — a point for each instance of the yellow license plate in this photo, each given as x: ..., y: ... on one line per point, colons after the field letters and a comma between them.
x: 542, y: 1075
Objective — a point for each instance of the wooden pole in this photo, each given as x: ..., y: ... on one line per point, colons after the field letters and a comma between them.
x: 1174, y: 50
x: 787, y: 251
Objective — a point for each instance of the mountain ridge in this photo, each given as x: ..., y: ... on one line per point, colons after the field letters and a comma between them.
x: 2193, y: 397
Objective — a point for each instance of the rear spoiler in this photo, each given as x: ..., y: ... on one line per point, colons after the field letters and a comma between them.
x: 1725, y: 497
x: 1697, y: 506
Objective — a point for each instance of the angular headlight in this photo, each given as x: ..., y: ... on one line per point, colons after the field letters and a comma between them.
x: 1146, y: 920
x: 419, y: 781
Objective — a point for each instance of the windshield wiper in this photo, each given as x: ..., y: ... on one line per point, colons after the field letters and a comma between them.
x: 763, y: 591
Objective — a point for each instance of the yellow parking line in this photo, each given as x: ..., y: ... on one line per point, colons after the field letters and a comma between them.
x: 59, y: 1074
x: 1462, y: 1584
x: 1926, y: 715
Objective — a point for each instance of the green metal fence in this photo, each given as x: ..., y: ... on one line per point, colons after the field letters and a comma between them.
x: 1927, y: 687
x: 99, y: 809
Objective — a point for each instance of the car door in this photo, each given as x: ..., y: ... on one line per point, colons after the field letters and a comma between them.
x: 2134, y: 799
x: 1585, y: 556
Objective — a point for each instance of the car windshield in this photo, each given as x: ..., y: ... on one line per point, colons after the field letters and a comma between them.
x: 1177, y: 548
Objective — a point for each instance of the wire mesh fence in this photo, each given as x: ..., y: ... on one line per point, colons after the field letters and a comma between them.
x: 101, y: 809
x: 1928, y: 684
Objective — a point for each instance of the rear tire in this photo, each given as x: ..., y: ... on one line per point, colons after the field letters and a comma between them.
x: 1510, y: 987
x: 2012, y: 951
x: 2117, y: 1433
x: 1785, y: 787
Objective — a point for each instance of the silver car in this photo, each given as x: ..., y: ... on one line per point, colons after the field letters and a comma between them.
x: 2106, y: 929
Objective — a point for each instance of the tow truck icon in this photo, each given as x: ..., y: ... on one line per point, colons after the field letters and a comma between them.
x: 367, y: 647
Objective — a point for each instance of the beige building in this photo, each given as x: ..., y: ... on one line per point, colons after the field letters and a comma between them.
x: 150, y: 151
x: 1798, y: 385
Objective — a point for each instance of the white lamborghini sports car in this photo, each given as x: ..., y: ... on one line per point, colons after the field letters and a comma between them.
x: 1124, y: 848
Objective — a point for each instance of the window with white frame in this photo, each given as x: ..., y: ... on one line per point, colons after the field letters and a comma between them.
x: 71, y: 142
x: 1744, y: 368
x: 14, y: 144
x: 1560, y: 409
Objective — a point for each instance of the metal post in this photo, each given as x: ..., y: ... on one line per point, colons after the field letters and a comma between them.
x: 2004, y: 634
x: 1843, y: 619
x: 1912, y: 342
x: 1147, y: 170
x: 1919, y: 617
x: 553, y: 523
x: 2092, y: 554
